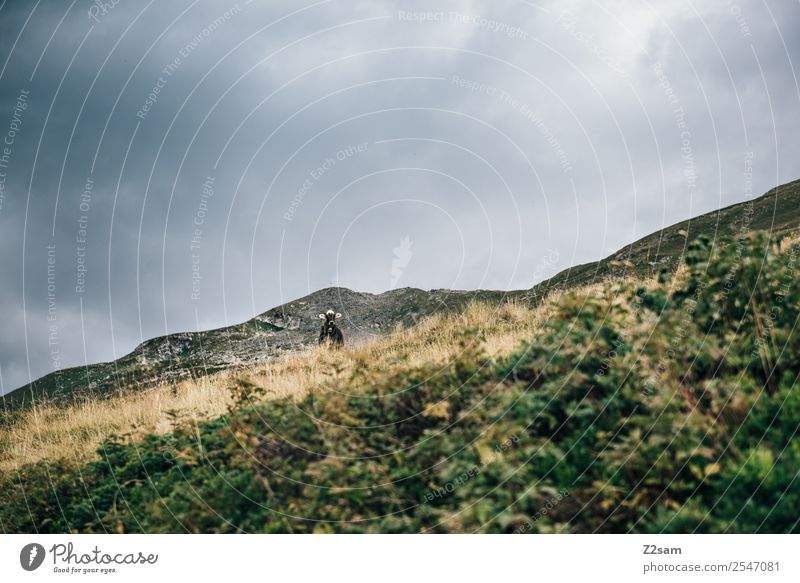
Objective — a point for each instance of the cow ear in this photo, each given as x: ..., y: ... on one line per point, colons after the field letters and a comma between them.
x: 338, y: 315
x: 322, y: 316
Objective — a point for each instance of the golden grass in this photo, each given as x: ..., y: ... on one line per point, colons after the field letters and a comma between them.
x: 789, y: 241
x: 74, y: 432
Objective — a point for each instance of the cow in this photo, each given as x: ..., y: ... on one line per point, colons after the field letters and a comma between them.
x: 331, y: 335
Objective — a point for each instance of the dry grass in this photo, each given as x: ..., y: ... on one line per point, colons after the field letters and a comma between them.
x: 789, y: 242
x: 75, y: 432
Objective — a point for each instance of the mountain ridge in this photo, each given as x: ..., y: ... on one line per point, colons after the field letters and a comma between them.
x: 284, y: 329
x: 293, y: 325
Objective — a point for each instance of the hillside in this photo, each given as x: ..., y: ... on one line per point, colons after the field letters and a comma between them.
x: 777, y: 212
x: 668, y: 404
x: 277, y: 332
x: 288, y: 328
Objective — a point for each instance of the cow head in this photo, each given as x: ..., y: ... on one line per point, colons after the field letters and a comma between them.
x: 330, y: 320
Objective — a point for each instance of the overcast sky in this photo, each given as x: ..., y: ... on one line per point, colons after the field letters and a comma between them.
x: 169, y: 166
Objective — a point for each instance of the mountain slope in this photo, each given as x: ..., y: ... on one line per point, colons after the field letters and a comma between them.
x: 777, y: 211
x: 281, y: 330
x: 294, y: 325
x: 651, y: 406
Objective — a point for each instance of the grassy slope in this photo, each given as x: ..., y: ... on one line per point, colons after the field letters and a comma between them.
x: 665, y: 407
x: 277, y: 332
x: 195, y: 354
x: 705, y: 362
x: 75, y: 430
x: 777, y: 212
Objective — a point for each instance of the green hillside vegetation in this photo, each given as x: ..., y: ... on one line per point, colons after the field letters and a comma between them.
x: 660, y: 405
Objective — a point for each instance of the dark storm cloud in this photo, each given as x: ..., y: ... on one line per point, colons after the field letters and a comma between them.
x: 188, y: 164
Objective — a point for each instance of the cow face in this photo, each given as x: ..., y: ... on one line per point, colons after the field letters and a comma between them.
x: 330, y: 319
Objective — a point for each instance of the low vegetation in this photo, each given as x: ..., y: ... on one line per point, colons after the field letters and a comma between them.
x: 669, y: 405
